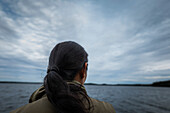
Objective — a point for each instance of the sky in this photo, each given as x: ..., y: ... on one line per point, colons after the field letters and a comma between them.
x: 128, y: 41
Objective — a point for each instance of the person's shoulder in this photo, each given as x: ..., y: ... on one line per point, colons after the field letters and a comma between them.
x: 102, y: 107
x: 40, y: 106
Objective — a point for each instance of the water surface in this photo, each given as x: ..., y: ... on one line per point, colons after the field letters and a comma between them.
x: 125, y: 99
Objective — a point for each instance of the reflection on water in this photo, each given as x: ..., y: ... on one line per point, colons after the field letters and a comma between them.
x: 125, y: 99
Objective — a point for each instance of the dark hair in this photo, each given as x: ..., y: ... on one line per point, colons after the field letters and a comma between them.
x: 65, y: 61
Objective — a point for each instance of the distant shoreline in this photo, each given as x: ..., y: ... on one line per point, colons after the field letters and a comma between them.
x: 16, y: 82
x: 155, y: 84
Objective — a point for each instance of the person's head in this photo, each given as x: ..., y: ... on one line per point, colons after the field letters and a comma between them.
x: 67, y: 62
x: 70, y: 60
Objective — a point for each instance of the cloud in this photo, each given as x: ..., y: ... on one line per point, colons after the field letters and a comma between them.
x: 126, y: 42
x: 158, y: 77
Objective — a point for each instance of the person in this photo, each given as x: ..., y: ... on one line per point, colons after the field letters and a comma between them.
x: 63, y: 89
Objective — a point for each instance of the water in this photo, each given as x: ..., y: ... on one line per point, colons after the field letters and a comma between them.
x: 125, y: 99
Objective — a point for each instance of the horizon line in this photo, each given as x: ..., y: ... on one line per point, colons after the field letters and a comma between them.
x: 91, y: 83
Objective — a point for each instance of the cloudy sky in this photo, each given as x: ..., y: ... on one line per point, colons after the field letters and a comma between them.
x: 128, y: 41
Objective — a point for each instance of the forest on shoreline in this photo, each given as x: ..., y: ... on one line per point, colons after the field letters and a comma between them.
x: 154, y: 84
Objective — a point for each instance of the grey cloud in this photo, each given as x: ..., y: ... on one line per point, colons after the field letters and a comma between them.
x: 121, y: 39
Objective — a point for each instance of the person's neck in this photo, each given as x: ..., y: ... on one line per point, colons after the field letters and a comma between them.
x: 79, y: 79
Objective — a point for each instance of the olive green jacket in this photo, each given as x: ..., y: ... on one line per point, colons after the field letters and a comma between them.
x: 39, y: 103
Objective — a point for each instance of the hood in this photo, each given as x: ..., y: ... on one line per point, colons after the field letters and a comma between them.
x: 40, y: 92
x: 36, y: 95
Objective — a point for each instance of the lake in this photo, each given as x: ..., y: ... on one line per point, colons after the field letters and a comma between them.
x: 125, y: 99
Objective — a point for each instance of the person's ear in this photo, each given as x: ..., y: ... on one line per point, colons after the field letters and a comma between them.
x: 83, y: 71
x: 85, y: 67
x: 84, y: 76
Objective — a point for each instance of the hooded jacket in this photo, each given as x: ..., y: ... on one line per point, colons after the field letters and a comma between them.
x: 39, y: 103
